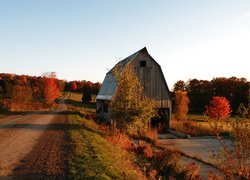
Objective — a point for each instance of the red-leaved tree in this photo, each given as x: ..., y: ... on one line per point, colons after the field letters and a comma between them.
x: 73, y: 86
x: 219, y: 108
x: 50, y: 90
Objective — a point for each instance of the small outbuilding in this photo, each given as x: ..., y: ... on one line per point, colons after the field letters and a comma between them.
x: 151, y: 76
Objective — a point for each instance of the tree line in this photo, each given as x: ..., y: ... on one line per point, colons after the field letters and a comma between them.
x: 88, y: 88
x: 200, y: 92
x: 19, y: 90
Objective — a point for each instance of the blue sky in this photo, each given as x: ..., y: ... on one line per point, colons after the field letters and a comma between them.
x: 83, y: 39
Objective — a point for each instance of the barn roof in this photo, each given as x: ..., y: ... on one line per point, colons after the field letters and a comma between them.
x: 125, y: 61
x: 110, y: 82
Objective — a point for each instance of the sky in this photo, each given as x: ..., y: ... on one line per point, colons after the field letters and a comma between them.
x: 82, y: 40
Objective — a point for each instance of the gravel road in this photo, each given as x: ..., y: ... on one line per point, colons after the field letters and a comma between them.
x: 34, y: 146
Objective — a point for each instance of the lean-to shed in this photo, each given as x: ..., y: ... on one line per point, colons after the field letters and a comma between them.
x: 151, y: 77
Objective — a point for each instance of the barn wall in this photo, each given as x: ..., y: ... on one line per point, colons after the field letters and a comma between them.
x: 153, y: 80
x: 100, y: 110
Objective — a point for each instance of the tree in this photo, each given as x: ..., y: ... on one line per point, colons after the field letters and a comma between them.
x: 73, y: 86
x: 234, y: 89
x: 21, y: 93
x: 50, y: 88
x: 243, y: 111
x: 130, y: 108
x: 179, y: 86
x: 181, y: 105
x: 219, y: 108
x: 233, y: 159
x: 86, y: 95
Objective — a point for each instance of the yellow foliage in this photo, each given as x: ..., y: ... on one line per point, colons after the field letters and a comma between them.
x: 131, y: 109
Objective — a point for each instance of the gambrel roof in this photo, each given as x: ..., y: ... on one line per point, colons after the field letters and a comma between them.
x: 110, y: 82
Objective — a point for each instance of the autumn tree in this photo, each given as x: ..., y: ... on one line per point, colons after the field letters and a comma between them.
x: 73, y: 86
x: 131, y: 108
x: 233, y: 159
x: 219, y: 108
x: 181, y: 105
x: 50, y: 88
x: 21, y: 93
x: 179, y: 86
x: 21, y: 96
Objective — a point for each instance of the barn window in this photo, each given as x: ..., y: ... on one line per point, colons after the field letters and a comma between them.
x: 143, y: 63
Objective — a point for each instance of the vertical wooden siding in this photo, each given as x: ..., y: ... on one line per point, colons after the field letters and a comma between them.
x: 152, y: 79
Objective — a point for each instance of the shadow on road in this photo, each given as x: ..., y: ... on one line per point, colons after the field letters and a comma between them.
x: 53, y: 126
x: 74, y: 103
x: 70, y: 102
x: 41, y: 112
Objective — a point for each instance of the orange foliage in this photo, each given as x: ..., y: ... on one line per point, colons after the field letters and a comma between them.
x: 181, y: 104
x: 145, y: 150
x: 51, y: 90
x: 121, y: 140
x: 219, y: 108
x: 73, y: 86
x: 23, y: 93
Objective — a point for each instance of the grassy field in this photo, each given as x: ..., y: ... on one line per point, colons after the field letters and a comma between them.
x: 199, y: 125
x: 74, y: 102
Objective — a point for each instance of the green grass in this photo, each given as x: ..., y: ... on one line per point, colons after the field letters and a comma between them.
x: 93, y: 157
x: 74, y: 102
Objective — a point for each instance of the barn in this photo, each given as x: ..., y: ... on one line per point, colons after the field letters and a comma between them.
x: 151, y: 77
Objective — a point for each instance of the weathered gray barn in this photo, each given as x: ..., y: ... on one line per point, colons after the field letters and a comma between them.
x: 150, y: 75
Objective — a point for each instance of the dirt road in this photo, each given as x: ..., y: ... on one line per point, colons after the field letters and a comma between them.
x: 34, y: 146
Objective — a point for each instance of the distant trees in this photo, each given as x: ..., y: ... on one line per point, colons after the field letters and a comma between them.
x: 181, y: 104
x: 200, y: 92
x: 21, y: 93
x: 87, y: 88
x: 179, y: 86
x: 219, y: 108
x: 86, y: 95
x: 73, y: 86
x: 45, y: 88
x: 243, y: 111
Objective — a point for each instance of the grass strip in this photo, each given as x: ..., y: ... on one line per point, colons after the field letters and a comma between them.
x: 93, y: 157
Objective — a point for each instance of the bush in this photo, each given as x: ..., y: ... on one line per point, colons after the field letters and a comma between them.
x: 181, y: 105
x: 145, y: 150
x: 167, y: 164
x: 219, y: 108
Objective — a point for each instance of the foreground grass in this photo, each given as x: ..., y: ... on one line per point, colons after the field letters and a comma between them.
x: 95, y: 157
